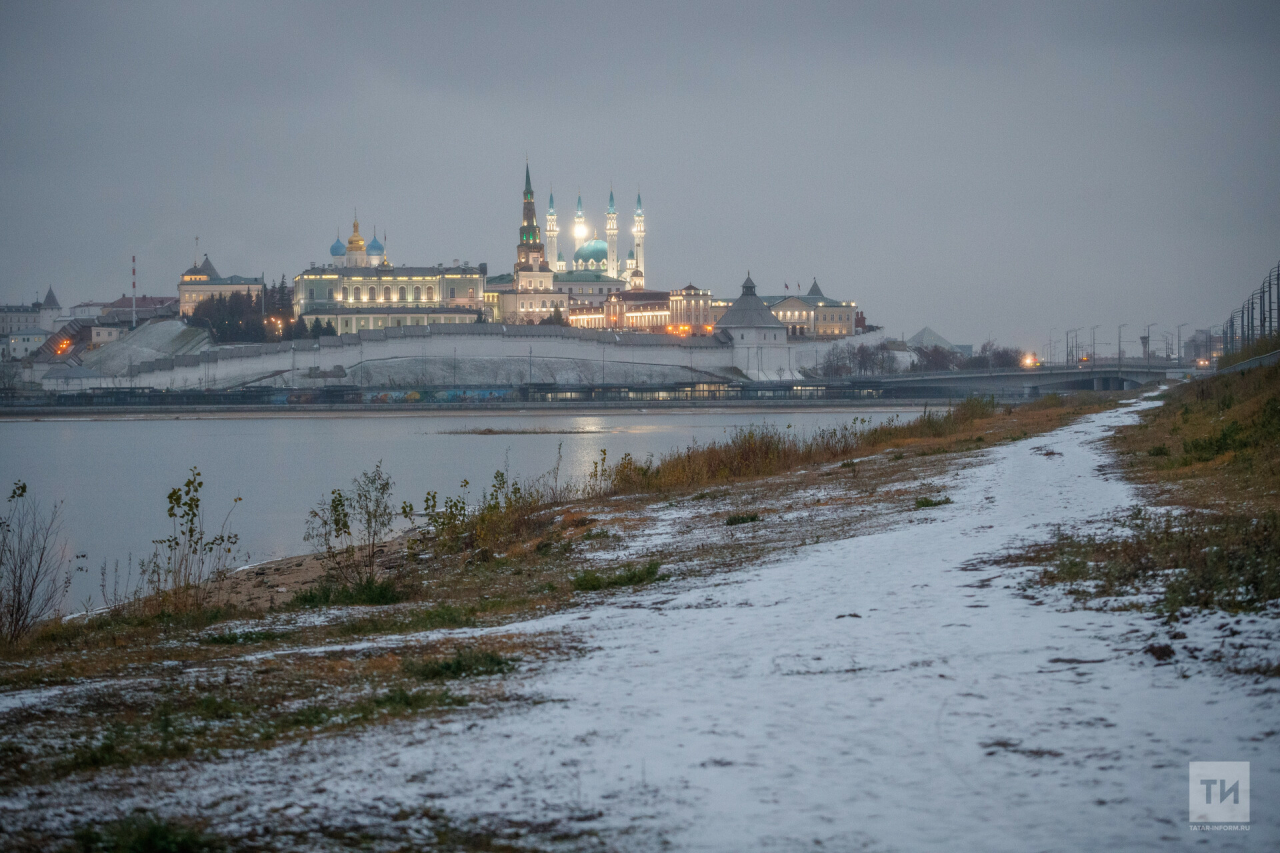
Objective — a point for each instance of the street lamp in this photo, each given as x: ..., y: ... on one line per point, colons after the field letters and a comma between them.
x: 1149, y: 325
x: 1180, y: 325
x: 1120, y: 344
x: 1093, y: 343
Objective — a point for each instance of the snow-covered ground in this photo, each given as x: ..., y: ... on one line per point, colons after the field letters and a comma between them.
x: 869, y: 693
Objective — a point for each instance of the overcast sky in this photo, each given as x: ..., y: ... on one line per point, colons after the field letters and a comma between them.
x: 988, y: 170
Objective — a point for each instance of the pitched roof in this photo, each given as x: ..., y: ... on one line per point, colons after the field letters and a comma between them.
x: 815, y: 290
x: 51, y: 301
x: 748, y: 310
x: 927, y: 337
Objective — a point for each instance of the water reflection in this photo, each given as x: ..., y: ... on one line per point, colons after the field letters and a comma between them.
x: 113, y: 475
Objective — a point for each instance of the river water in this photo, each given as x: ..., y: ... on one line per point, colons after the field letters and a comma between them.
x: 113, y: 475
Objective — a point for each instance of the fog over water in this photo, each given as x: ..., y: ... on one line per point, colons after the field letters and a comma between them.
x: 113, y: 475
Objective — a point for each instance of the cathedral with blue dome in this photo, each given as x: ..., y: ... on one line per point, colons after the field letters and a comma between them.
x: 355, y: 252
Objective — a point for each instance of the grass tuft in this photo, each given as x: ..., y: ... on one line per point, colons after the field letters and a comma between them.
x: 925, y: 503
x: 370, y: 593
x: 590, y: 581
x: 465, y: 662
x: 142, y: 833
x: 742, y: 519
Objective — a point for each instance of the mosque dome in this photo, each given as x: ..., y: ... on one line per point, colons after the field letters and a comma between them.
x: 374, y: 247
x: 592, y: 250
x: 337, y: 250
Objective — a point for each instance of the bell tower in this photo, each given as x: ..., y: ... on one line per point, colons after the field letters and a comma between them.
x: 530, y: 255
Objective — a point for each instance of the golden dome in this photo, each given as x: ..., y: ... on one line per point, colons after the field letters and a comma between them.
x: 355, y: 243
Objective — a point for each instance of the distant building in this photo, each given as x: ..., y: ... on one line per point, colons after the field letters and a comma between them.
x: 202, y: 282
x: 25, y: 342
x: 360, y: 289
x: 691, y: 312
x: 813, y: 314
x: 34, y: 315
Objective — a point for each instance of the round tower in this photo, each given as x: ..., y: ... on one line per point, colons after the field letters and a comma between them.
x: 638, y: 231
x: 611, y: 235
x: 579, y: 227
x: 553, y: 230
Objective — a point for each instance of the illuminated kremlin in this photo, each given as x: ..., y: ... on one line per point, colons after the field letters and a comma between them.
x: 359, y: 288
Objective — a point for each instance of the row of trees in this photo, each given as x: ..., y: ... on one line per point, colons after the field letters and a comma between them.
x: 244, y: 318
x: 863, y: 360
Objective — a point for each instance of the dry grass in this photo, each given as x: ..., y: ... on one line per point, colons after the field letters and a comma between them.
x: 1214, y: 444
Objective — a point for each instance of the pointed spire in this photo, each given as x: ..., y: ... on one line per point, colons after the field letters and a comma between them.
x: 551, y: 201
x: 639, y: 209
x: 612, y: 208
x: 579, y: 202
x: 528, y: 184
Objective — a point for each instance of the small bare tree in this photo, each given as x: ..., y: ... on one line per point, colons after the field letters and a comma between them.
x: 188, y: 565
x: 35, y: 572
x: 347, y: 528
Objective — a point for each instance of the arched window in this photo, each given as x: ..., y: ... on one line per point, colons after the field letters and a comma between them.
x: 344, y: 294
x: 431, y: 293
x: 403, y: 293
x: 417, y: 294
x: 544, y: 303
x: 386, y: 294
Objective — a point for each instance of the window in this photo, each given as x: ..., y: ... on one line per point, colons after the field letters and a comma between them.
x: 386, y: 294
x: 471, y: 291
x: 522, y: 305
x: 417, y: 294
x: 344, y: 294
x: 453, y: 293
x: 346, y: 323
x: 404, y: 293
x: 431, y: 293
x: 544, y: 303
x: 331, y: 294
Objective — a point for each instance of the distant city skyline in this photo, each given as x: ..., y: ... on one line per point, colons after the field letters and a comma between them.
x: 988, y: 170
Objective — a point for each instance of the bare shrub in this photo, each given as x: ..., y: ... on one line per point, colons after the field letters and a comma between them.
x: 346, y: 529
x: 35, y: 571
x: 188, y: 566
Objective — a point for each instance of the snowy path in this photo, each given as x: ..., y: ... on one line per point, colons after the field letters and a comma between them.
x: 742, y: 713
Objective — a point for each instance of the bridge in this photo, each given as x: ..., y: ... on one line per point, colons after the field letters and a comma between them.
x: 1024, y: 382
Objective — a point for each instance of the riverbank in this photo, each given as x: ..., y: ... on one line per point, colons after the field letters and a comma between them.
x: 850, y: 630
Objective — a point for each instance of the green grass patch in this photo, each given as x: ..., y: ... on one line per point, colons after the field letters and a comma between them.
x: 464, y: 663
x: 430, y: 619
x: 925, y: 503
x: 142, y: 833
x: 370, y: 593
x: 748, y: 518
x: 242, y: 638
x: 590, y: 581
x: 1159, y: 450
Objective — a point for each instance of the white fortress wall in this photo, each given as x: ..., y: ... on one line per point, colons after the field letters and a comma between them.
x: 467, y: 354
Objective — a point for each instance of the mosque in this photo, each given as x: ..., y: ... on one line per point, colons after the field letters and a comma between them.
x: 538, y: 286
